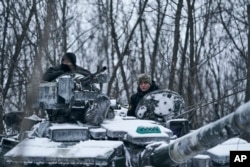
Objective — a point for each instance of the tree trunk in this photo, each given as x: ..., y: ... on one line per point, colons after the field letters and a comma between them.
x: 192, y: 66
x: 176, y: 45
x: 248, y: 58
x: 2, y: 60
x: 64, y: 26
x: 1, y: 110
x: 183, y: 62
x: 142, y: 40
x: 160, y: 20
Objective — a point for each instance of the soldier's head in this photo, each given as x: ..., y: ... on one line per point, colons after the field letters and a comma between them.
x: 69, y: 58
x: 144, y: 82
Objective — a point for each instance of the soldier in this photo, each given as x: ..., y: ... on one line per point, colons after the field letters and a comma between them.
x: 145, y: 86
x: 68, y: 64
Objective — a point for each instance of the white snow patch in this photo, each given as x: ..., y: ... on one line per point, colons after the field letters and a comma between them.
x: 234, y: 144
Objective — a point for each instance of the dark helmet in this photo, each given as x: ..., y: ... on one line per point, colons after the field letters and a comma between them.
x: 71, y: 56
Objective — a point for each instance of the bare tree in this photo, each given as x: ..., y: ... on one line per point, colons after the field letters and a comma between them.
x: 13, y: 77
x: 1, y: 110
x: 192, y: 65
x: 160, y: 20
x: 183, y: 61
x: 64, y: 26
x: 40, y: 48
x: 247, y: 98
x: 123, y: 53
x: 142, y: 38
x: 176, y: 44
x: 3, y: 59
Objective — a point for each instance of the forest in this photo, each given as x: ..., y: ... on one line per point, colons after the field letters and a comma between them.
x: 196, y: 48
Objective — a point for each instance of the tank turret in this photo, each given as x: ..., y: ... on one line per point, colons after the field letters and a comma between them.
x: 74, y: 97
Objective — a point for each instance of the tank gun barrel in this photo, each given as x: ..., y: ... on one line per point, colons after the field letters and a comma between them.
x: 203, y: 138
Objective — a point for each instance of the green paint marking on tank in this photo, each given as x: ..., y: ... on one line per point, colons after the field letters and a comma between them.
x: 147, y: 130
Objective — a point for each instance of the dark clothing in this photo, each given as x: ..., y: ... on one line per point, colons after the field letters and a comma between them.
x: 135, y: 98
x: 54, y: 72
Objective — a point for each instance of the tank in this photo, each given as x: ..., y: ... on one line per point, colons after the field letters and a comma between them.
x: 83, y: 127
